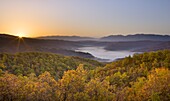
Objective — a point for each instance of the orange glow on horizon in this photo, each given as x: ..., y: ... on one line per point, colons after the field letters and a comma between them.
x: 20, y: 35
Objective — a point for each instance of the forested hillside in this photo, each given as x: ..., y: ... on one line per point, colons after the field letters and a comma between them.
x: 38, y: 62
x: 43, y: 76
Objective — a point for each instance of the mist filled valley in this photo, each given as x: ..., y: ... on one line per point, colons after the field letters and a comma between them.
x: 91, y: 69
x: 105, y: 55
x: 86, y: 47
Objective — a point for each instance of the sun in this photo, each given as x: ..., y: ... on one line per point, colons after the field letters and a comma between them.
x: 20, y: 35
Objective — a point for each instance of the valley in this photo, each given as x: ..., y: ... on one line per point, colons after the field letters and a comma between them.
x: 86, y: 47
x: 63, y: 70
x: 103, y: 55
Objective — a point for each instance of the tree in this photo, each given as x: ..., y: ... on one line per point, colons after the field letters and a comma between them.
x: 98, y: 90
x: 71, y: 84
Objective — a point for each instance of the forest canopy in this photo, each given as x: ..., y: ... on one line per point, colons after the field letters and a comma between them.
x: 33, y: 76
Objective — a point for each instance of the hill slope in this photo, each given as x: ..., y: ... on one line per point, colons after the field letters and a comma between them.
x: 138, y: 46
x: 37, y: 62
x: 13, y: 44
x: 141, y: 77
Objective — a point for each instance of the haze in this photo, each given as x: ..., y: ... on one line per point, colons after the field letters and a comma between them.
x: 84, y: 17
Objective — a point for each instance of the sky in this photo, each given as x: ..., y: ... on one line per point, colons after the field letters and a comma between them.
x: 94, y: 18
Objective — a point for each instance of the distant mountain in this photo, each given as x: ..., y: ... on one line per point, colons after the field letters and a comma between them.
x: 13, y: 44
x: 138, y: 46
x: 68, y: 38
x: 136, y: 37
x: 159, y: 46
x: 112, y: 38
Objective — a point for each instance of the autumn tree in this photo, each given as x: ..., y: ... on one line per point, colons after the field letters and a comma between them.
x: 71, y: 84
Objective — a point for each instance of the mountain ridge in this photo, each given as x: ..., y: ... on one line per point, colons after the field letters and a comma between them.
x: 13, y: 44
x: 69, y: 38
x: 136, y: 37
x: 111, y: 38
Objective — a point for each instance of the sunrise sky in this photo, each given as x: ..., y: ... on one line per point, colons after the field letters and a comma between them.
x: 94, y: 18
